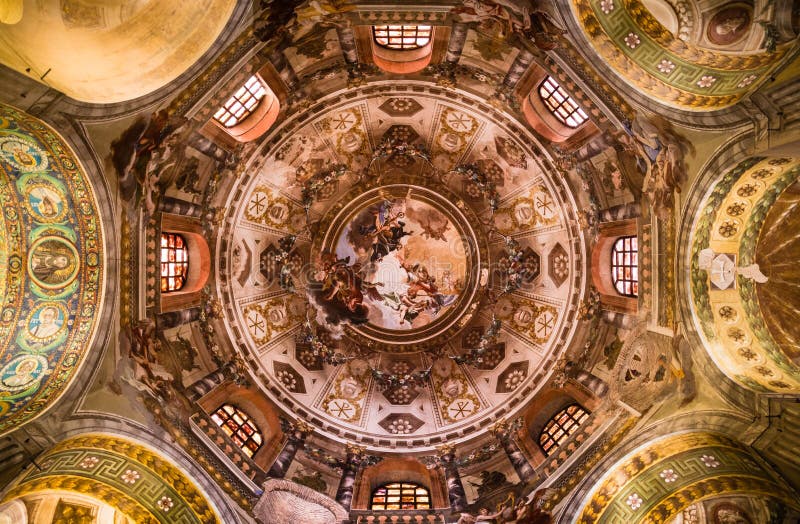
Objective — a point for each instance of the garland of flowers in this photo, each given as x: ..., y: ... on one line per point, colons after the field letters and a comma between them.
x: 515, y: 259
x: 386, y: 380
x: 483, y: 183
x: 475, y: 355
x: 320, y: 349
x: 285, y: 280
x: 392, y: 148
x: 316, y: 182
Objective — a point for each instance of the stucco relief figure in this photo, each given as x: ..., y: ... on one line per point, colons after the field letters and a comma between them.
x: 53, y: 262
x: 535, y: 19
x: 143, y: 152
x: 661, y: 152
x: 326, y: 13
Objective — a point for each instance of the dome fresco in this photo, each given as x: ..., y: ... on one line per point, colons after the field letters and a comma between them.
x: 404, y: 265
x: 349, y: 262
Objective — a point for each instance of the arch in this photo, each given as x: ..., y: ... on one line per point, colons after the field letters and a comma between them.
x: 560, y: 104
x: 602, y: 268
x: 561, y: 426
x: 539, y: 412
x: 113, y: 51
x: 190, y: 230
x: 408, y: 495
x: 541, y: 116
x: 239, y: 426
x: 250, y: 111
x: 261, y: 412
x: 402, y: 60
x: 739, y: 245
x: 53, y: 266
x: 106, y: 468
x: 661, y: 478
x: 396, y: 470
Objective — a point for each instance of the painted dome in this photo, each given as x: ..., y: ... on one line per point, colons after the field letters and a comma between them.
x: 397, y: 255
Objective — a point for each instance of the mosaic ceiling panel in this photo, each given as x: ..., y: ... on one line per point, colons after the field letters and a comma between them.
x: 399, y: 265
x: 51, y: 267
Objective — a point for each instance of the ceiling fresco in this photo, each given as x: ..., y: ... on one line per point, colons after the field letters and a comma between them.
x: 51, y: 267
x: 674, y: 67
x: 660, y: 479
x: 432, y: 266
x: 739, y: 319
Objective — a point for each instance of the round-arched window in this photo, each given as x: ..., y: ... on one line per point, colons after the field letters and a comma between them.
x: 400, y: 495
x: 625, y: 266
x: 402, y: 37
x: 174, y: 262
x: 239, y: 427
x: 561, y: 105
x: 561, y: 426
x: 242, y: 103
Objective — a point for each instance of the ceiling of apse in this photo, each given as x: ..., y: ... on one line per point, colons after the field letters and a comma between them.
x: 51, y: 267
x: 440, y: 265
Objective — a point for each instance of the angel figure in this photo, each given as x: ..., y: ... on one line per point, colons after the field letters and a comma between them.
x: 661, y: 152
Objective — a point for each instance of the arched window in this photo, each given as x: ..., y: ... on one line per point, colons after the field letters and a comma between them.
x: 625, y: 266
x: 563, y: 107
x: 402, y: 37
x: 237, y: 425
x: 174, y: 262
x: 561, y: 426
x: 242, y: 103
x: 400, y: 495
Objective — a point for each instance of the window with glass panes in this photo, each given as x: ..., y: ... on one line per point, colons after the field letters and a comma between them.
x: 561, y: 426
x: 402, y: 37
x: 563, y: 106
x: 625, y: 266
x: 238, y: 426
x: 174, y: 262
x: 400, y: 495
x: 242, y: 103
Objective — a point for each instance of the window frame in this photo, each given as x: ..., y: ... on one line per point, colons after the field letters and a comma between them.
x: 239, y: 435
x: 402, y: 45
x: 170, y: 275
x: 629, y: 280
x: 549, y: 91
x: 566, y: 427
x: 242, y: 96
x: 403, y: 485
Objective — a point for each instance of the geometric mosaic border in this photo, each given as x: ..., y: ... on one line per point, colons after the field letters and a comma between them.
x: 128, y: 477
